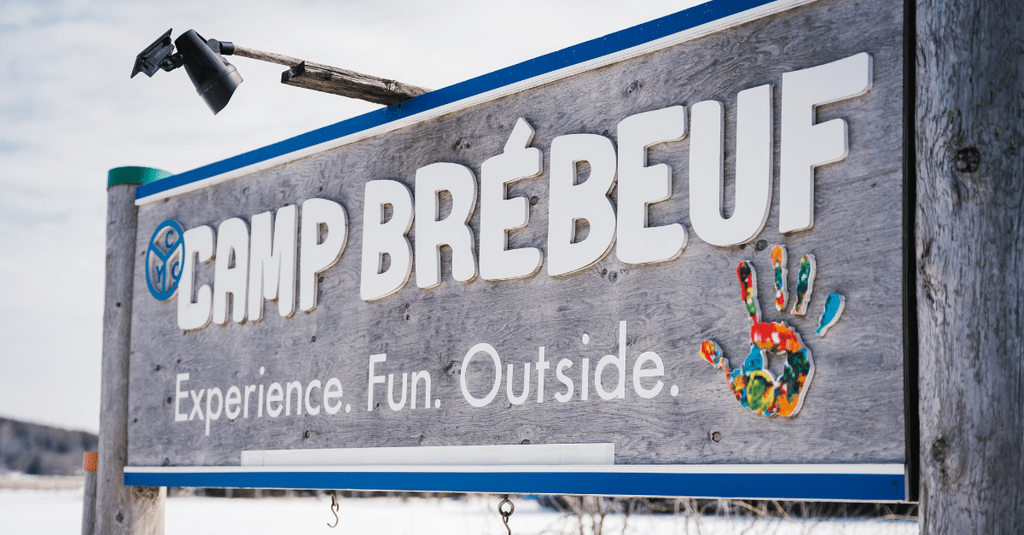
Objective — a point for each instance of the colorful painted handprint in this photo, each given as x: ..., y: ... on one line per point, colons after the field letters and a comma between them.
x: 754, y: 386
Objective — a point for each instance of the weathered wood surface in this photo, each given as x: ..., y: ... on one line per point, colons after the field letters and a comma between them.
x: 120, y: 509
x: 854, y: 409
x: 348, y: 83
x: 89, y: 503
x: 335, y: 80
x: 269, y: 57
x: 970, y: 254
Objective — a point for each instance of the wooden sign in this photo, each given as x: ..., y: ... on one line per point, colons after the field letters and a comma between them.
x: 664, y: 262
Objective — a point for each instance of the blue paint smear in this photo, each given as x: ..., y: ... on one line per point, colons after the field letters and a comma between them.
x: 833, y: 305
x: 754, y: 360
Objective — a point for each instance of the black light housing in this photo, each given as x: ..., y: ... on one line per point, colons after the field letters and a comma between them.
x: 213, y: 77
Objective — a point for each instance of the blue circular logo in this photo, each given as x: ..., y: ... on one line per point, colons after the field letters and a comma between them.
x: 164, y: 260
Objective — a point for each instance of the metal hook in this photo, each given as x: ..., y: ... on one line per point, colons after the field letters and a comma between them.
x: 505, y: 515
x: 334, y: 509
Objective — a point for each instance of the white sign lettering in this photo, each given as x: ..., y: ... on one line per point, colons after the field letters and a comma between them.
x: 251, y: 268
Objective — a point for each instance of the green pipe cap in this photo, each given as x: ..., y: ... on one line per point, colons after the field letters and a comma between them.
x: 133, y: 175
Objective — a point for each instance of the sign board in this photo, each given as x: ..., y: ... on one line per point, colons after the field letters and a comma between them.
x: 560, y: 277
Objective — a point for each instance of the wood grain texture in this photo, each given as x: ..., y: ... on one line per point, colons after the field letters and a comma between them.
x: 334, y: 80
x: 269, y: 57
x: 120, y: 509
x: 854, y: 408
x: 970, y: 223
x: 350, y: 84
x: 89, y: 503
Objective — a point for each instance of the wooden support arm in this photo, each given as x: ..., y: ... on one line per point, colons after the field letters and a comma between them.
x: 334, y: 80
x: 269, y: 57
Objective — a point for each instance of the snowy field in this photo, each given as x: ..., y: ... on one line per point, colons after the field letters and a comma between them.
x: 60, y: 512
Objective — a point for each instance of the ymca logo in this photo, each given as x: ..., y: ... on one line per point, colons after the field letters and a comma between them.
x: 164, y: 260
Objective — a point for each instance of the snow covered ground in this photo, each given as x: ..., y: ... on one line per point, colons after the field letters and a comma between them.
x: 60, y: 512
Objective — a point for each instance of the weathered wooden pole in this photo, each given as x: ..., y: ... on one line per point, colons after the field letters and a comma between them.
x: 970, y: 261
x: 89, y: 493
x: 121, y: 509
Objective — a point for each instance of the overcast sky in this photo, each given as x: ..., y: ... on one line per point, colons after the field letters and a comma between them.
x: 69, y: 113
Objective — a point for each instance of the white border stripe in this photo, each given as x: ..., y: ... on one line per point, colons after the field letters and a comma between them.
x: 865, y: 469
x: 665, y: 42
x: 496, y: 455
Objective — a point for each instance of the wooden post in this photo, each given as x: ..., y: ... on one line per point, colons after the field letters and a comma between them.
x: 970, y: 264
x: 334, y: 80
x: 89, y: 493
x: 121, y: 509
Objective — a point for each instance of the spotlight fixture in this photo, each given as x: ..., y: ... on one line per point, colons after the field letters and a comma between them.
x: 216, y: 80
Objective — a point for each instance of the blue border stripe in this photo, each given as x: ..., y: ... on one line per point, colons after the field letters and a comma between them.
x: 782, y: 486
x: 574, y: 55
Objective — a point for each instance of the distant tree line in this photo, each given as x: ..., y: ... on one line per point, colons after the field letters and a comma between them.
x: 42, y: 450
